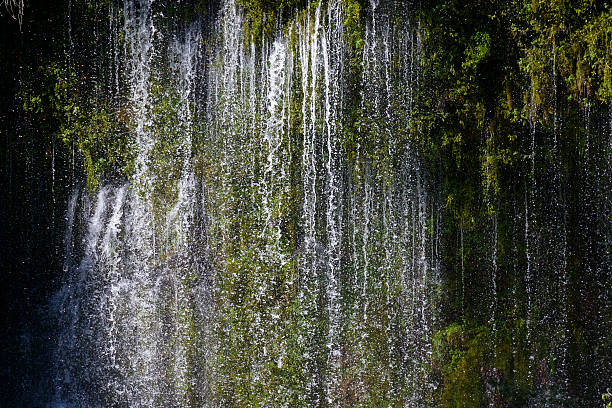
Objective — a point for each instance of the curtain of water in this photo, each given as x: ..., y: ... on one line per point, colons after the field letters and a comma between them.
x: 128, y: 308
x: 325, y: 250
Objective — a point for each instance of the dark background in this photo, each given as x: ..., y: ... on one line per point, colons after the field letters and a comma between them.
x: 33, y: 186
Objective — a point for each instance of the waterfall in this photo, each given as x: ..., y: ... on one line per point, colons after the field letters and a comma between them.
x: 141, y: 292
x: 133, y: 305
x: 281, y: 236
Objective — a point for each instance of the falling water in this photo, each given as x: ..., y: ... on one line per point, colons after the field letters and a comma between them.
x: 300, y: 203
x: 288, y: 265
x: 260, y: 132
x: 133, y: 297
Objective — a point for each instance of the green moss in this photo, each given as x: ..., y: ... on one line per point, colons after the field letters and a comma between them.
x: 461, y: 353
x: 264, y: 16
x: 98, y: 132
x: 478, y: 48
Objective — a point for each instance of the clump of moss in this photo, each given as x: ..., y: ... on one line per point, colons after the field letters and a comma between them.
x: 89, y: 124
x: 263, y: 16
